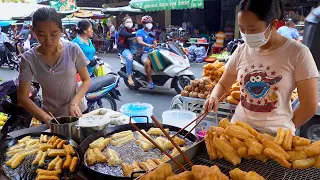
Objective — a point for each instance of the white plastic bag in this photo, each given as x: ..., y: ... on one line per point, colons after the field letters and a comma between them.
x: 26, y: 45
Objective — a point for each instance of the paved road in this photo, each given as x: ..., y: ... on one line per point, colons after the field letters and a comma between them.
x: 159, y: 99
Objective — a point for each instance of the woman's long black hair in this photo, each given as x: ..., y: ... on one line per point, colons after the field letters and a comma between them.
x: 46, y: 14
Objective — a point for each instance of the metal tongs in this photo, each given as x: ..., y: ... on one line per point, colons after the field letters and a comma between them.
x: 163, y: 150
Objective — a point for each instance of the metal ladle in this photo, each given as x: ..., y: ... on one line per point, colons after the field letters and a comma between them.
x: 54, y: 118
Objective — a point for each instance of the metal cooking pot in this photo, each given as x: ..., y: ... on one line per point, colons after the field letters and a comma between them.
x: 79, y: 133
x: 64, y: 128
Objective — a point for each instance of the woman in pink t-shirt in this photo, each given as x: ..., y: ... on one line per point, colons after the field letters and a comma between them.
x: 268, y: 67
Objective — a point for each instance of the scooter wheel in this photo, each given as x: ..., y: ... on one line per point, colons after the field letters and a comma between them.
x: 135, y: 87
x: 180, y: 82
x: 11, y: 66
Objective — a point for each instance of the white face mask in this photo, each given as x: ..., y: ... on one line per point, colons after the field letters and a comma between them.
x: 128, y: 25
x: 149, y: 26
x: 256, y: 40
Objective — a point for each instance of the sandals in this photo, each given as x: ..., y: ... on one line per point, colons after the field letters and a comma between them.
x: 151, y: 85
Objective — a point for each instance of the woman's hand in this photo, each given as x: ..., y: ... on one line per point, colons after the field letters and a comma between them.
x: 211, y: 104
x: 47, y: 120
x: 74, y: 110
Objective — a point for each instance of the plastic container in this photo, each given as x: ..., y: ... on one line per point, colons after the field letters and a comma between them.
x: 138, y: 109
x: 179, y: 118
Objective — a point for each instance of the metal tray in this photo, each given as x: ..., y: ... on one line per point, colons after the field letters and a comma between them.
x: 269, y: 170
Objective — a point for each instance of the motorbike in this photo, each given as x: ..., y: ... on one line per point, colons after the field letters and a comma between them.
x: 12, y: 58
x: 176, y: 74
x: 103, y: 92
x: 19, y: 118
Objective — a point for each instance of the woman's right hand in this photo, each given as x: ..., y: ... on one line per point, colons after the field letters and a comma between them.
x: 212, y: 103
x: 47, y: 120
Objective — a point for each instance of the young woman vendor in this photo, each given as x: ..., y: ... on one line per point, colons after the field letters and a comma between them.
x: 268, y: 67
x: 54, y: 65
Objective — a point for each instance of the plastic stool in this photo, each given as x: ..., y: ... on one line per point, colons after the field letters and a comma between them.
x: 216, y: 50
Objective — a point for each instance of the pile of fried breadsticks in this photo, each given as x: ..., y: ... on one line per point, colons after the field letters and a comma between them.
x: 199, y: 172
x: 239, y: 140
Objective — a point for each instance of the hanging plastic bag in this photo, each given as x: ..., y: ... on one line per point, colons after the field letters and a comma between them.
x: 26, y: 44
x: 99, y: 70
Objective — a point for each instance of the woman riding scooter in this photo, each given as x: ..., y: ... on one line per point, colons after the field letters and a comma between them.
x: 126, y: 33
x: 83, y: 40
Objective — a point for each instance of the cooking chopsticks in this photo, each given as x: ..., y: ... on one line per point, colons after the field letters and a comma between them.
x: 170, y: 139
x: 202, y: 116
x: 156, y: 145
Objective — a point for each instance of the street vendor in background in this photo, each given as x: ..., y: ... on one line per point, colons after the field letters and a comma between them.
x: 147, y: 43
x: 157, y: 31
x: 54, y: 65
x: 268, y: 67
x: 289, y: 30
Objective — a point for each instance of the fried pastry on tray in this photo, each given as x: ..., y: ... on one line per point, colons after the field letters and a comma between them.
x: 98, y: 154
x: 100, y: 143
x: 280, y: 136
x: 260, y: 137
x: 60, y: 145
x: 238, y: 132
x: 157, y: 161
x: 43, y: 138
x: 272, y: 145
x: 32, y: 142
x: 212, y: 151
x: 121, y: 134
x: 47, y: 172
x: 160, y: 173
x: 24, y: 140
x: 178, y: 141
x: 221, y: 176
x: 254, y: 147
x: 53, y: 163
x: 45, y: 146
x: 91, y: 158
x: 123, y: 140
x: 56, y: 152
x: 287, y: 142
x: 201, y: 172
x: 136, y: 168
x: 218, y: 130
x: 224, y: 123
x: 312, y: 150
x: 41, y: 162
x: 297, y: 155
x: 145, y: 146
x: 17, y: 146
x: 38, y: 157
x: 300, y: 141
x: 58, y: 166
x: 237, y: 174
x: 74, y: 163
x: 304, y: 163
x: 126, y: 169
x: 228, y: 152
x: 187, y: 175
x: 113, y: 157
x: 248, y: 127
x: 67, y: 162
x: 14, y: 157
x: 69, y: 149
x: 17, y: 161
x: 157, y: 131
x: 44, y: 177
x: 278, y: 157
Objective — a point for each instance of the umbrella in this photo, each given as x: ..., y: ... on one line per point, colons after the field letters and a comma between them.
x: 7, y: 23
x: 161, y: 5
x: 122, y: 10
x: 11, y: 11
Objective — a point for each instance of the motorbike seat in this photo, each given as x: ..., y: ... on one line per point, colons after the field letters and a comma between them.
x: 97, y: 83
x: 311, y: 37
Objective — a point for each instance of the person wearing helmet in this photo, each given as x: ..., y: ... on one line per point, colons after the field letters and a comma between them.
x: 147, y: 43
x: 24, y: 34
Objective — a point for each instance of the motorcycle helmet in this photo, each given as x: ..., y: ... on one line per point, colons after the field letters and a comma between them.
x: 146, y: 19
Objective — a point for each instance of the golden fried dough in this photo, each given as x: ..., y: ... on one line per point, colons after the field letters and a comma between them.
x: 278, y: 157
x: 74, y: 163
x: 287, y: 142
x: 248, y: 127
x: 297, y: 155
x: 238, y: 132
x: 67, y: 162
x: 313, y: 150
x: 304, y: 163
x: 228, y: 152
x: 275, y: 147
x: 260, y: 137
x: 280, y: 136
x: 300, y: 141
x: 224, y: 123
x: 187, y: 175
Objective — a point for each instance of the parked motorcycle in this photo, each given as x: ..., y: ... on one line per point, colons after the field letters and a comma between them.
x: 12, y: 58
x: 176, y: 74
x: 103, y: 93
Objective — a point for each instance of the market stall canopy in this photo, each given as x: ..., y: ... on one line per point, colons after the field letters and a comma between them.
x: 90, y: 14
x: 10, y: 11
x: 70, y: 20
x: 7, y: 23
x: 122, y: 10
x: 161, y: 5
x: 64, y: 7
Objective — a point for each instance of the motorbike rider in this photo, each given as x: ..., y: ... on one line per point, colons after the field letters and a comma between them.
x: 3, y: 38
x: 25, y: 34
x: 126, y: 33
x: 54, y: 65
x: 147, y: 43
x: 85, y: 32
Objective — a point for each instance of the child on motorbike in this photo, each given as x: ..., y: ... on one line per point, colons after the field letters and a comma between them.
x: 125, y: 34
x: 54, y: 66
x: 85, y: 32
x: 146, y: 44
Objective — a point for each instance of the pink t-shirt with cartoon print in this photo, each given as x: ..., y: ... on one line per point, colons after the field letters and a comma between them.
x: 267, y: 81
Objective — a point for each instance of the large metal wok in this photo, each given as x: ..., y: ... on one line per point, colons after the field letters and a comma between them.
x: 106, y: 133
x: 28, y: 171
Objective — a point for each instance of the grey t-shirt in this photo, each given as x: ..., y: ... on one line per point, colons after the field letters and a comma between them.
x: 58, y: 82
x: 25, y: 33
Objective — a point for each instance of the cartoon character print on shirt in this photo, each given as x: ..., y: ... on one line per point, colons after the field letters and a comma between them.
x: 259, y: 89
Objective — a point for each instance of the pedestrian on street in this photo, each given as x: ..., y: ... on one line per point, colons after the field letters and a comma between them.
x: 54, y: 66
x: 157, y: 31
x: 85, y: 32
x: 112, y: 35
x: 3, y: 38
x: 126, y: 34
x: 163, y: 36
x: 289, y: 30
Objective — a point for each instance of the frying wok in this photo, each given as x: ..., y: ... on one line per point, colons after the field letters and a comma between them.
x: 106, y: 133
x: 28, y: 171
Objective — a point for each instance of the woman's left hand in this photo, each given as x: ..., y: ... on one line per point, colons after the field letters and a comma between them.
x: 74, y: 110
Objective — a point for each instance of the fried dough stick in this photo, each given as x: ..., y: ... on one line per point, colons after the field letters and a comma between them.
x: 228, y: 152
x: 187, y: 175
x: 126, y: 169
x: 248, y: 127
x: 157, y: 131
x: 113, y: 158
x: 278, y: 157
x: 162, y: 172
x: 100, y: 143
